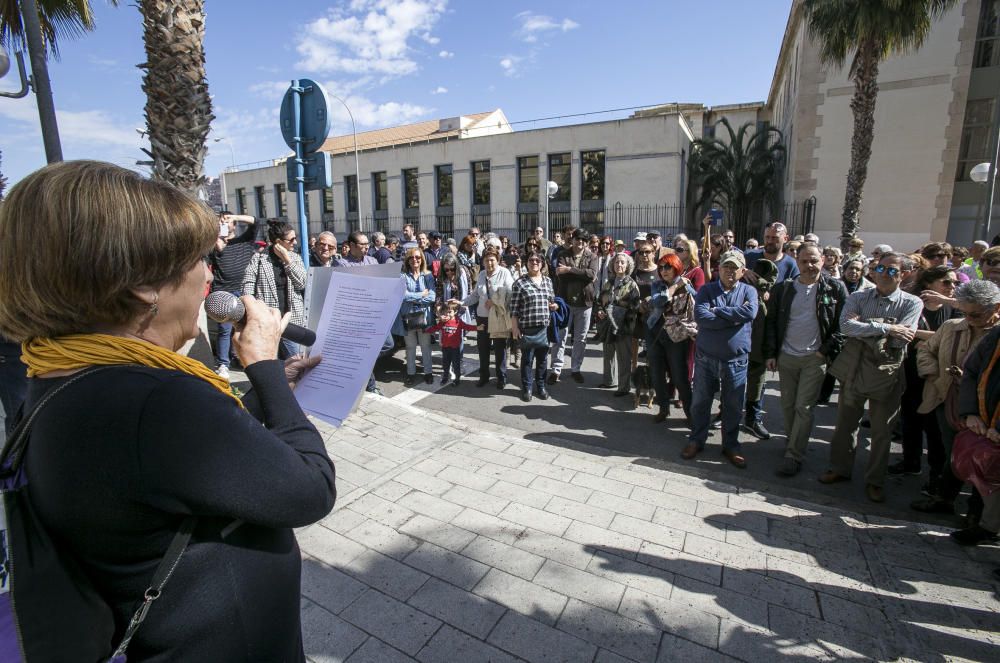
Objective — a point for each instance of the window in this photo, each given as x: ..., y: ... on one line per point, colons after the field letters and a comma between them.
x: 281, y: 208
x: 328, y: 200
x: 559, y: 172
x: 380, y: 191
x: 241, y: 201
x: 527, y: 179
x: 411, y: 189
x: 258, y: 194
x: 975, y: 145
x: 592, y: 167
x: 480, y: 182
x: 351, y: 191
x: 988, y: 36
x: 444, y: 190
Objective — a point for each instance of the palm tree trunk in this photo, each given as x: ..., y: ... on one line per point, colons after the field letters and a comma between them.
x: 178, y: 108
x: 865, y: 72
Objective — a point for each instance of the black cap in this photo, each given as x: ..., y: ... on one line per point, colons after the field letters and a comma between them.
x: 434, y: 235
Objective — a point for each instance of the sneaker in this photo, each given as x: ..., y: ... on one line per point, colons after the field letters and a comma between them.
x: 789, y: 468
x: 901, y: 468
x: 376, y: 391
x: 223, y: 372
x: 757, y: 429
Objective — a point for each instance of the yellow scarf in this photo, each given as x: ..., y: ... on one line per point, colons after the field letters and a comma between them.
x: 43, y: 355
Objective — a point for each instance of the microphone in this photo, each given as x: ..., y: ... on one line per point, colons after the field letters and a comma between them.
x: 224, y: 306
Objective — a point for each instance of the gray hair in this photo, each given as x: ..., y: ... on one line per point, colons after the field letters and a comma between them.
x: 979, y: 293
x: 327, y: 233
x: 835, y: 250
x: 630, y: 266
x: 378, y: 237
x: 905, y: 261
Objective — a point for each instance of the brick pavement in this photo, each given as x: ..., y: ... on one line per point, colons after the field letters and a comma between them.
x: 455, y: 540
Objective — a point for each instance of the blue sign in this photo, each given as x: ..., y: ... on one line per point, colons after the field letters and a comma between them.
x: 313, y: 119
x: 317, y: 173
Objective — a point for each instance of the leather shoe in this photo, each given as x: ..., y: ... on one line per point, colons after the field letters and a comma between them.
x: 832, y: 477
x: 483, y: 381
x: 735, y: 458
x: 542, y: 394
x: 933, y: 505
x: 553, y: 378
x: 578, y: 377
x: 789, y: 468
x: 526, y: 396
x: 900, y: 467
x: 690, y: 451
x: 662, y: 415
x: 973, y: 536
x: 605, y: 385
x: 501, y: 383
x: 875, y: 493
x: 756, y: 428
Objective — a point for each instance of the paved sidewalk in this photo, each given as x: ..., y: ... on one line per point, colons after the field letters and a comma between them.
x: 456, y: 541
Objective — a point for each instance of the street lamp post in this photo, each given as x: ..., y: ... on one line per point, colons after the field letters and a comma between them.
x: 984, y: 173
x: 222, y: 176
x: 357, y: 167
x: 551, y: 189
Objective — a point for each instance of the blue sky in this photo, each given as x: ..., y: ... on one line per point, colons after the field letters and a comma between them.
x: 403, y: 61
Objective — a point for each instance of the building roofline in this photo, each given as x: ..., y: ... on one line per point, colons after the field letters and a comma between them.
x: 794, y: 19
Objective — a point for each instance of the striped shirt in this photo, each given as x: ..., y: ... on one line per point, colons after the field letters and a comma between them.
x: 529, y: 302
x: 876, y: 313
x: 229, y: 264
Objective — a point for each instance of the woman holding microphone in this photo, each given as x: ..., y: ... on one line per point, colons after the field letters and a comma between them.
x: 135, y: 439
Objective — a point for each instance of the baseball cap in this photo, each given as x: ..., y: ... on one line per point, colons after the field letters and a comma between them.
x: 652, y: 233
x: 619, y: 242
x: 883, y: 249
x: 639, y: 237
x: 434, y: 235
x: 734, y: 257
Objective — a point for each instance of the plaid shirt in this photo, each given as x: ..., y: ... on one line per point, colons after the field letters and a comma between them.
x: 529, y: 302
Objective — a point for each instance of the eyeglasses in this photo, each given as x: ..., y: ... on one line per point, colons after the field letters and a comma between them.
x: 891, y: 271
x: 288, y: 239
x: 664, y: 267
x: 415, y: 258
x: 644, y: 252
x: 716, y: 243
x: 680, y: 249
x: 324, y: 245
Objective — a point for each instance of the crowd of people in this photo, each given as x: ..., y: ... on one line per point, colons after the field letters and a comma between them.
x: 693, y: 319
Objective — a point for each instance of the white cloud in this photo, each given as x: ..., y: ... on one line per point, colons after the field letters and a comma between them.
x: 440, y: 90
x: 369, y: 37
x: 446, y: 54
x: 89, y: 129
x: 373, y: 115
x: 533, y: 25
x: 510, y: 64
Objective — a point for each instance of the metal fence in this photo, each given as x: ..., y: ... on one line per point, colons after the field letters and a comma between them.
x: 619, y: 221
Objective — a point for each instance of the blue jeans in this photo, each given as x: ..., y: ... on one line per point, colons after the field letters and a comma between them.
x: 223, y: 343
x: 533, y: 377
x: 708, y: 371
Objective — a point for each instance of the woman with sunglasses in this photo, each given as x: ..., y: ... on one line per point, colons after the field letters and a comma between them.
x: 416, y: 314
x: 277, y: 277
x: 644, y: 275
x: 936, y: 287
x: 687, y: 250
x: 670, y: 327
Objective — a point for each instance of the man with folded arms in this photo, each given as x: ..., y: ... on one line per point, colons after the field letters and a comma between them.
x: 878, y: 324
x: 802, y: 334
x: 724, y: 312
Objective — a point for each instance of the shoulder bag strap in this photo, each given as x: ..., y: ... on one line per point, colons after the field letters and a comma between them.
x: 13, y: 454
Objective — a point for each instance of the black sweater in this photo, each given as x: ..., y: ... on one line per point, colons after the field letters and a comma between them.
x: 976, y: 363
x: 117, y: 461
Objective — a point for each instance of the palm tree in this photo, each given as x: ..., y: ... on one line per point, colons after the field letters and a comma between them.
x: 178, y: 107
x: 741, y: 174
x: 872, y: 30
x: 56, y: 18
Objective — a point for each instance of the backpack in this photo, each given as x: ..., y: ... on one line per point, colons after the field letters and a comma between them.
x: 36, y: 575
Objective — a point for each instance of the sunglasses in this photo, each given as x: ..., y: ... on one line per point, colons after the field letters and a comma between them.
x: 936, y: 256
x: 891, y: 271
x: 324, y: 245
x: 645, y: 252
x: 716, y: 243
x: 680, y: 249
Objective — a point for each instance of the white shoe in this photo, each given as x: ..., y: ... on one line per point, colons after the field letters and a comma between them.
x: 223, y: 372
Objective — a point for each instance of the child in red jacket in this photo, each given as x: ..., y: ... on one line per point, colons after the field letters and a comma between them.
x: 452, y: 330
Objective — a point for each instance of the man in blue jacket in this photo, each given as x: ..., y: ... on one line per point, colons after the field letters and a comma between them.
x: 724, y: 312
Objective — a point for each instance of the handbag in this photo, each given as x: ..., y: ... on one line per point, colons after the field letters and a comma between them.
x: 415, y: 320
x: 976, y: 459
x: 41, y: 574
x: 535, y: 338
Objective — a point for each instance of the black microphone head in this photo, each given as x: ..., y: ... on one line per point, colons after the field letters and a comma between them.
x: 224, y: 306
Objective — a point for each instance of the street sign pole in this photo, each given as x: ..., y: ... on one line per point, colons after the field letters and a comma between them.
x: 300, y: 172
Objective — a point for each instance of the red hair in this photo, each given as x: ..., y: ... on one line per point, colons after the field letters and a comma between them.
x: 672, y: 261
